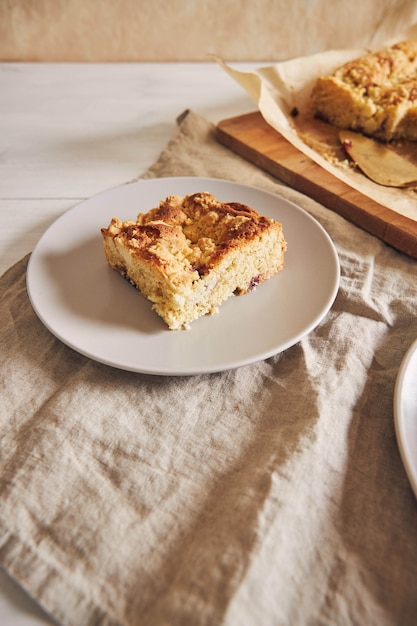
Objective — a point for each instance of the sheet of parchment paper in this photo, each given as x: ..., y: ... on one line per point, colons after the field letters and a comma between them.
x: 282, y: 93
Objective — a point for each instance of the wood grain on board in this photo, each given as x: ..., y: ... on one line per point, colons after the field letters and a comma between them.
x: 252, y: 138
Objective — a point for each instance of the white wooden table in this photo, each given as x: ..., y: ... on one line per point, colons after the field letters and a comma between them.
x: 69, y: 131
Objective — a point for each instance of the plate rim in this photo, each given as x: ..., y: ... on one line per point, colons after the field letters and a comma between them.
x: 232, y: 363
x: 410, y: 465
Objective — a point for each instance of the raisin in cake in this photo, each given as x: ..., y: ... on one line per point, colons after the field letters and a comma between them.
x: 190, y: 254
x: 375, y: 94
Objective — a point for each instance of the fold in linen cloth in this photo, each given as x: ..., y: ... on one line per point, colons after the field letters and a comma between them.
x: 271, y: 494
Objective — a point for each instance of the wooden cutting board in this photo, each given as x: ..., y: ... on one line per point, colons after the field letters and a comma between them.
x: 252, y: 138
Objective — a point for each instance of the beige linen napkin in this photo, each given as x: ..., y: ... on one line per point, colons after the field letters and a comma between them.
x: 272, y: 494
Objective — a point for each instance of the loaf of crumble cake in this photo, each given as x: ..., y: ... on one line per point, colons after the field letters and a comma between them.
x: 375, y: 94
x: 190, y: 254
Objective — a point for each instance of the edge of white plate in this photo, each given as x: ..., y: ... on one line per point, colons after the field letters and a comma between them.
x: 409, y: 466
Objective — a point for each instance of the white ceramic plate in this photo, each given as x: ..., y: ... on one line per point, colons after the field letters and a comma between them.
x: 405, y: 413
x: 96, y: 312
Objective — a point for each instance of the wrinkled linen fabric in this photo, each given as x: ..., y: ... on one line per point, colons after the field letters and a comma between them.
x: 271, y: 494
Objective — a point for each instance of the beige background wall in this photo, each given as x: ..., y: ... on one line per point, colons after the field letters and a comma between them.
x: 176, y: 30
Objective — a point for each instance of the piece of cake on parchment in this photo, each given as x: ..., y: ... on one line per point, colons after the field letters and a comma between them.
x: 375, y: 94
x: 190, y: 254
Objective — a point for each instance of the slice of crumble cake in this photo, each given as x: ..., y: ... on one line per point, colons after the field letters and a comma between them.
x: 190, y: 254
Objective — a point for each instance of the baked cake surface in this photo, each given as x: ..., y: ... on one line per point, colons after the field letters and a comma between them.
x: 375, y: 94
x: 190, y: 254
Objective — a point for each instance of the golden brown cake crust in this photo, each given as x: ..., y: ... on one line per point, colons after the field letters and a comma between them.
x: 200, y: 226
x: 191, y: 253
x: 375, y: 94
